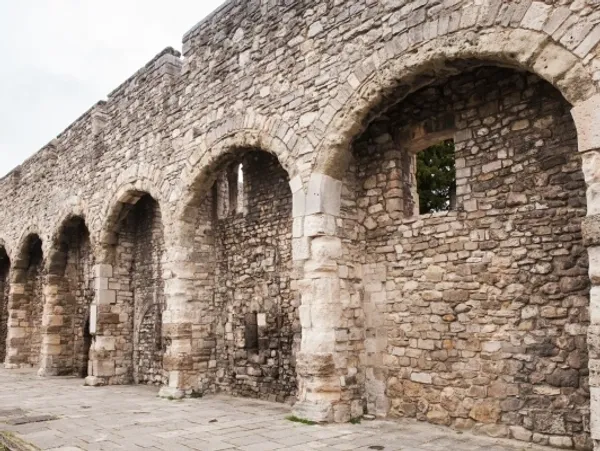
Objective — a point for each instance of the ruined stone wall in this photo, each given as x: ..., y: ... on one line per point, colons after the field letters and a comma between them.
x: 148, y: 291
x: 140, y: 297
x: 259, y: 320
x: 4, y: 292
x: 479, y: 316
x: 78, y: 287
x: 300, y: 79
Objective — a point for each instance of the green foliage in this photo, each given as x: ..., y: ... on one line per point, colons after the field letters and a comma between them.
x: 355, y: 420
x: 436, y: 177
x: 295, y: 419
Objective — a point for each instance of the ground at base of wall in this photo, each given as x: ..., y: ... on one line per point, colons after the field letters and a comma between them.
x: 97, y: 418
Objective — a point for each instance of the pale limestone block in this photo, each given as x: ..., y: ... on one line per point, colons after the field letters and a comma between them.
x: 324, y: 195
x: 299, y: 202
x: 590, y: 166
x: 93, y: 318
x: 106, y: 297
x: 553, y: 62
x: 105, y: 343
x: 296, y: 184
x: 593, y: 199
x: 594, y: 264
x: 103, y: 270
x: 595, y: 412
x: 101, y: 283
x: 298, y: 227
x: 324, y: 248
x: 304, y: 312
x: 536, y: 16
x: 314, y: 340
x: 595, y: 305
x: 301, y: 248
x: 586, y: 115
x: 321, y: 224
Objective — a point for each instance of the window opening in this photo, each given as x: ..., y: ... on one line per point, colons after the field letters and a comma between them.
x: 436, y: 178
x: 240, y: 189
x: 251, y: 331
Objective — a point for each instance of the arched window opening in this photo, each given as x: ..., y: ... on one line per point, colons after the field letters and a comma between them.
x: 240, y: 204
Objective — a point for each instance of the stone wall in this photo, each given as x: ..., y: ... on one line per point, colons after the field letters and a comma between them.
x: 4, y: 287
x: 478, y: 316
x: 67, y: 303
x: 141, y: 291
x: 26, y: 305
x: 303, y: 80
x: 254, y: 284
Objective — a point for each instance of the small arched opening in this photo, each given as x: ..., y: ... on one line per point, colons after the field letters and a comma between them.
x: 70, y: 281
x: 26, y: 303
x: 132, y: 318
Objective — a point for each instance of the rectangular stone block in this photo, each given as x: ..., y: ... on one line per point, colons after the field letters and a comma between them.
x: 587, y: 120
x: 106, y: 296
x: 103, y: 270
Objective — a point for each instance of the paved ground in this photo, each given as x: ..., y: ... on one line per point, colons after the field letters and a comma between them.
x: 133, y: 418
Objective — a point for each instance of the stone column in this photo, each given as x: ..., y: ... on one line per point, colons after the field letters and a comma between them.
x: 177, y: 321
x: 188, y: 326
x: 52, y: 324
x: 317, y: 250
x: 587, y: 121
x: 103, y: 352
x: 17, y: 325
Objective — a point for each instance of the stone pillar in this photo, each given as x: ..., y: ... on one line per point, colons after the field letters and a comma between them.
x: 177, y: 322
x: 187, y: 323
x: 317, y: 250
x: 587, y: 121
x: 103, y: 352
x: 52, y: 323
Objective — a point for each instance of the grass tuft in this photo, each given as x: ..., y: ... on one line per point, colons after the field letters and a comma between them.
x: 295, y: 419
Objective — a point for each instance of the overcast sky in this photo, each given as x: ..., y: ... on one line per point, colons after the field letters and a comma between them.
x: 59, y: 57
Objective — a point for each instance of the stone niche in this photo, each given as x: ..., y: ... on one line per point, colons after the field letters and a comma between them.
x: 256, y: 326
x: 476, y: 317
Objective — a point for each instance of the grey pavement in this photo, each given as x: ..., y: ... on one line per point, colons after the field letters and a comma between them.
x: 134, y: 418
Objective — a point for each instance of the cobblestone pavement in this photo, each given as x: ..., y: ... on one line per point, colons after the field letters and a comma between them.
x: 134, y: 418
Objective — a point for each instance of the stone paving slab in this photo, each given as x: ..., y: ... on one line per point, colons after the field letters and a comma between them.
x: 133, y: 418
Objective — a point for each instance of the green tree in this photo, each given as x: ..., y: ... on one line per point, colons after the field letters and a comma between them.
x: 436, y: 178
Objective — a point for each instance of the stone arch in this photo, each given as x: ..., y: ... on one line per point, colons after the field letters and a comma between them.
x: 381, y: 81
x: 389, y: 76
x: 199, y: 293
x: 131, y: 188
x: 69, y: 294
x: 128, y: 276
x: 210, y: 153
x: 26, y: 301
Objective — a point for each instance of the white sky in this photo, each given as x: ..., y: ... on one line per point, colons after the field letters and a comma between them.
x: 59, y: 57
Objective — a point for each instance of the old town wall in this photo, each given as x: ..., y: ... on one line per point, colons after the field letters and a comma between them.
x: 301, y: 80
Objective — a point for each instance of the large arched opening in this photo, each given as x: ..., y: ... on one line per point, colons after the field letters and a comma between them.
x: 129, y: 344
x: 239, y: 219
x: 26, y: 302
x: 475, y: 303
x: 70, y: 292
x: 4, y: 293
